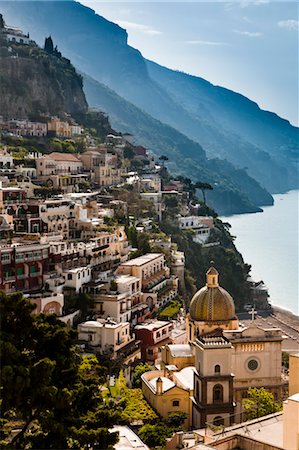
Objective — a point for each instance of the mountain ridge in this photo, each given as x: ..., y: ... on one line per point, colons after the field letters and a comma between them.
x: 100, y: 49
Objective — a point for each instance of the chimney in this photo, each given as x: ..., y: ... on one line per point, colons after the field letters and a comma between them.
x: 159, y: 386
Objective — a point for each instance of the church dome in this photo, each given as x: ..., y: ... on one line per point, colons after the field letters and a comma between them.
x: 212, y: 303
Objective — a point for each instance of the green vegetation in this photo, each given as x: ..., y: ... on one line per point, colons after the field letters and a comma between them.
x: 155, y: 435
x: 171, y: 310
x: 260, y: 403
x: 139, y: 370
x: 133, y: 405
x: 50, y: 390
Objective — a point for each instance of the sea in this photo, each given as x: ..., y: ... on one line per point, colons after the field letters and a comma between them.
x: 268, y: 242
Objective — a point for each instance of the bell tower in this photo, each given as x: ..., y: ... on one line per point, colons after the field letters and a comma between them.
x: 213, y: 382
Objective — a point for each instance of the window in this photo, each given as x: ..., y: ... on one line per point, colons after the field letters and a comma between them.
x: 252, y: 364
x: 150, y: 351
x: 32, y: 269
x: 79, y: 275
x: 218, y: 393
x: 69, y: 276
x: 218, y: 421
x: 175, y: 403
x: 217, y: 368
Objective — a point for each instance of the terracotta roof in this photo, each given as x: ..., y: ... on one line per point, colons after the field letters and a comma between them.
x: 64, y: 157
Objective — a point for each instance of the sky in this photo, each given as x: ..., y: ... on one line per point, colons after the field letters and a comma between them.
x: 249, y: 46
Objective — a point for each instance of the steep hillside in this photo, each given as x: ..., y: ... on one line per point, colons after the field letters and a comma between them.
x: 245, y: 134
x: 39, y: 83
x: 202, y: 112
x: 234, y: 191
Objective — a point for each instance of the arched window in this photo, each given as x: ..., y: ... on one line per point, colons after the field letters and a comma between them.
x: 218, y: 421
x: 218, y: 393
x: 217, y: 368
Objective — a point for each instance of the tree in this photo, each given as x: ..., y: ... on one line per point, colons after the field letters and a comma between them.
x: 176, y: 419
x: 203, y: 187
x: 49, y: 47
x: 49, y: 387
x: 2, y: 23
x: 154, y: 435
x: 129, y: 153
x: 163, y: 159
x: 260, y: 403
x: 139, y: 370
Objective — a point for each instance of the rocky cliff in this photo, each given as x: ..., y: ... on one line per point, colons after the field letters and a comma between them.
x: 33, y: 82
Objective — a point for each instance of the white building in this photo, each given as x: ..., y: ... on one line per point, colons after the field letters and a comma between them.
x: 76, y: 278
x: 200, y: 225
x: 106, y: 335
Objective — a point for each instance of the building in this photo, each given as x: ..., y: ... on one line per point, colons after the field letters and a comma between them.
x: 128, y: 440
x: 112, y: 339
x: 253, y: 353
x: 105, y: 335
x: 211, y: 308
x: 177, y: 356
x: 200, y: 225
x: 156, y: 283
x: 229, y: 358
x: 23, y: 266
x: 156, y: 199
x: 153, y: 337
x: 77, y: 277
x: 169, y: 395
x: 64, y: 129
x: 293, y: 374
x: 213, y: 393
x: 25, y: 128
x: 15, y: 35
x: 58, y: 164
x: 149, y: 268
x: 48, y: 303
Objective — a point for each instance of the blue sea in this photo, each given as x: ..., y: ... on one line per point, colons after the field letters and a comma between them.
x: 268, y: 242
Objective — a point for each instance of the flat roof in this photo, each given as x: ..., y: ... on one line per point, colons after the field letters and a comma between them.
x: 142, y: 259
x: 152, y: 326
x: 126, y: 278
x: 127, y: 439
x: 180, y: 350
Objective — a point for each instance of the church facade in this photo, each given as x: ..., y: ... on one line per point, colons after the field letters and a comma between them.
x: 227, y: 358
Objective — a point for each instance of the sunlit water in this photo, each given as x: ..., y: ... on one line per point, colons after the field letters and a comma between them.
x: 269, y: 242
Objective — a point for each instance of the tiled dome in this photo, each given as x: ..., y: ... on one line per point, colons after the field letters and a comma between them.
x: 212, y: 302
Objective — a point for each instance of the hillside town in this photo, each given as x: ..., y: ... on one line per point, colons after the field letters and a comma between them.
x: 82, y: 238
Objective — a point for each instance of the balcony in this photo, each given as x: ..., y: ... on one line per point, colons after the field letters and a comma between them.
x: 35, y: 274
x: 9, y: 278
x: 23, y: 276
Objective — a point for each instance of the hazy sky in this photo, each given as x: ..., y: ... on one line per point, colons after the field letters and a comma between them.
x: 248, y: 46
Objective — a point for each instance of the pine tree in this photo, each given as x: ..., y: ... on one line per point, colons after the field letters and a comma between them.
x: 49, y: 47
x: 49, y: 387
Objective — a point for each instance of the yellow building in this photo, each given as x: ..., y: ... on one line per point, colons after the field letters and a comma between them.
x: 294, y: 374
x: 170, y: 393
x: 211, y: 308
x: 229, y: 358
x: 178, y: 355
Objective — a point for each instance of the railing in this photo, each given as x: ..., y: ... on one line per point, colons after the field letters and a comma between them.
x: 35, y: 274
x: 10, y: 278
x: 22, y: 277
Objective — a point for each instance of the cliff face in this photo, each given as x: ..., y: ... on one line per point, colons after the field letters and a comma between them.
x: 38, y: 83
